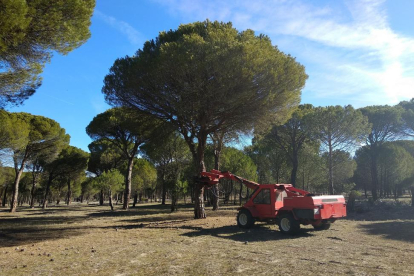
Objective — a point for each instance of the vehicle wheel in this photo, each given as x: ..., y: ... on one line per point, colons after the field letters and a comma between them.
x: 324, y: 225
x: 288, y: 224
x: 245, y: 219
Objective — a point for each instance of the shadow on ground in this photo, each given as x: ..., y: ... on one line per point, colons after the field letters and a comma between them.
x: 259, y: 233
x: 22, y: 230
x: 395, y: 230
x: 140, y: 210
x: 29, y: 226
x: 35, y: 225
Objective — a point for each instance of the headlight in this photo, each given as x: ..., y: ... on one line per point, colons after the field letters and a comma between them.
x: 316, y: 211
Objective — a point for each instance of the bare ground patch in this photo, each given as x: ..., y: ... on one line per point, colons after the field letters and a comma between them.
x: 148, y: 240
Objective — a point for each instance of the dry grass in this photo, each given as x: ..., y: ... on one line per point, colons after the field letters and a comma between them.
x: 148, y: 240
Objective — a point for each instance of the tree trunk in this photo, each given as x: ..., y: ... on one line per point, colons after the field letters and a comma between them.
x: 164, y: 188
x: 412, y: 196
x: 215, y: 189
x: 101, y: 198
x: 199, y: 211
x: 15, y: 191
x: 374, y: 175
x: 110, y: 200
x: 174, y: 198
x: 295, y: 165
x: 240, y: 194
x: 32, y: 191
x: 128, y: 179
x: 330, y: 164
x: 4, y: 197
x: 135, y: 199
x: 49, y: 182
x: 15, y: 195
x: 69, y: 194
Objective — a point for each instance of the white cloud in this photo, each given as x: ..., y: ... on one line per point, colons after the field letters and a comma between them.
x: 348, y: 47
x: 133, y: 36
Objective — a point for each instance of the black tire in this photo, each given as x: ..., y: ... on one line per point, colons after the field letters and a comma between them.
x: 324, y: 225
x: 245, y: 219
x: 288, y: 224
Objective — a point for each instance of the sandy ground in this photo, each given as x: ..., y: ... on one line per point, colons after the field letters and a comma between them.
x: 149, y: 240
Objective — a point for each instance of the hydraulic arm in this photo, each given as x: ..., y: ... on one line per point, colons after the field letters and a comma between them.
x: 213, y: 177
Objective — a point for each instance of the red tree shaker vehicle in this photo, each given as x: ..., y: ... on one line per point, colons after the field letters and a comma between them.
x: 284, y: 204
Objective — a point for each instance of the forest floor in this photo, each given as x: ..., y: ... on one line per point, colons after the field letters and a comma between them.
x: 149, y: 240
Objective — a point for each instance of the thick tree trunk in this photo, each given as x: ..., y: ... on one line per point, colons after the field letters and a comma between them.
x: 199, y: 210
x: 174, y: 198
x: 215, y: 188
x: 128, y: 179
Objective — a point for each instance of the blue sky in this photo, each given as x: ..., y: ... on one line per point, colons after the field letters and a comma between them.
x: 358, y: 52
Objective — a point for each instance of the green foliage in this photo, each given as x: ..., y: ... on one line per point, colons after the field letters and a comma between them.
x: 28, y: 135
x: 395, y: 168
x: 386, y: 123
x: 31, y: 31
x: 362, y: 175
x: 340, y: 128
x: 311, y: 169
x: 123, y: 128
x: 111, y: 180
x: 238, y: 163
x: 144, y: 175
x: 290, y: 137
x: 395, y: 165
x: 88, y: 188
x: 127, y: 131
x: 207, y: 77
x: 104, y: 157
x: 342, y: 171
x: 71, y: 164
x: 408, y: 116
x: 171, y: 158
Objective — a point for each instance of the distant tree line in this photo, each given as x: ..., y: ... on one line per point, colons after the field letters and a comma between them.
x: 336, y: 149
x: 371, y: 150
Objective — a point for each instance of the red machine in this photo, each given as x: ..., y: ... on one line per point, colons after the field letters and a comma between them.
x: 284, y: 204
